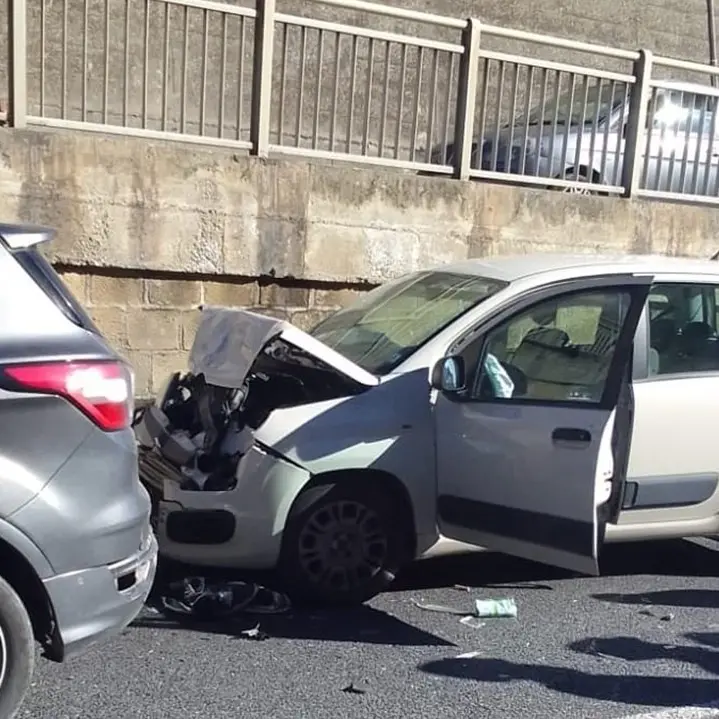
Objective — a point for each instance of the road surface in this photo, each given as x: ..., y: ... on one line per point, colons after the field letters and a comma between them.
x: 641, y: 640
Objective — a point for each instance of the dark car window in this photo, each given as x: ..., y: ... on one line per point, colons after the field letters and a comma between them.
x: 37, y: 266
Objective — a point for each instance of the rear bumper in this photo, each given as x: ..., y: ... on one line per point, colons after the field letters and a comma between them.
x: 92, y: 605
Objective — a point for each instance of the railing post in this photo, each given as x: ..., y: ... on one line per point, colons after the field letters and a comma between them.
x: 17, y: 63
x: 466, y: 99
x: 262, y: 77
x: 634, y: 142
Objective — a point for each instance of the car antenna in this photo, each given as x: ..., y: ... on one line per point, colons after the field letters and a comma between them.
x: 715, y: 256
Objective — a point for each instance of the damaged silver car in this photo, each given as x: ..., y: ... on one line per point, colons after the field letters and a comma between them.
x: 490, y: 402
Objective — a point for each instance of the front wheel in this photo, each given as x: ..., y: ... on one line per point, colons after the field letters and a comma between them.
x: 17, y: 651
x: 343, y: 544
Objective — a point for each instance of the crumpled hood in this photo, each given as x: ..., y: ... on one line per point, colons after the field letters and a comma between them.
x: 229, y: 340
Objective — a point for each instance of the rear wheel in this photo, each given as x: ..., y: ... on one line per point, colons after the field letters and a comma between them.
x: 17, y: 651
x: 343, y: 543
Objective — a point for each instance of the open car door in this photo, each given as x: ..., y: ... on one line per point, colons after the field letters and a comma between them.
x: 533, y: 422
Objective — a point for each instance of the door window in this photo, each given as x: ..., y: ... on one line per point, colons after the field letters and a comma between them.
x: 683, y: 334
x: 556, y: 351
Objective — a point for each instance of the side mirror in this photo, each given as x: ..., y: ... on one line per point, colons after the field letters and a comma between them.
x: 448, y: 375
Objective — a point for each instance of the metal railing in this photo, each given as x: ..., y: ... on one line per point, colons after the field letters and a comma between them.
x: 419, y: 92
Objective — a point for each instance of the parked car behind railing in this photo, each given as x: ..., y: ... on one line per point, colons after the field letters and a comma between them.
x: 580, y: 135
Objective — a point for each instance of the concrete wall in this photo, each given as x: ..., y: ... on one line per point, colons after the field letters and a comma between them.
x: 148, y: 231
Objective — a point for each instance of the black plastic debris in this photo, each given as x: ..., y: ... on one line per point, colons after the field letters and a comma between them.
x: 201, y: 599
x: 356, y: 688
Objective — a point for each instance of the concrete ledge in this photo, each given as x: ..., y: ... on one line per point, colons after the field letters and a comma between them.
x: 139, y: 205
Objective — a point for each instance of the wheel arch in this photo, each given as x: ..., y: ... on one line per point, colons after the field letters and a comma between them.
x: 17, y: 571
x: 321, y: 483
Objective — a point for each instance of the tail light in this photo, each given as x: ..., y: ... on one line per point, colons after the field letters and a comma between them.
x: 103, y: 391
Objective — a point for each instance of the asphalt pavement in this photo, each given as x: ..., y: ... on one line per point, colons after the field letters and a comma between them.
x: 643, y: 639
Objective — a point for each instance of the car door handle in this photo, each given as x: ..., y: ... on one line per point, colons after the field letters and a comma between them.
x: 571, y: 434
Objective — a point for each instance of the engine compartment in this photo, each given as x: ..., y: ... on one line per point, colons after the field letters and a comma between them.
x: 196, y: 434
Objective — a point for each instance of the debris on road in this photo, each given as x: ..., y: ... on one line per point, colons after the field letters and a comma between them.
x: 483, y: 609
x: 660, y: 617
x: 256, y: 634
x: 356, y: 688
x: 472, y: 622
x: 499, y: 608
x: 200, y: 599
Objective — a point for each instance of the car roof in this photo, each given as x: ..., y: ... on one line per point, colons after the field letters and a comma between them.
x: 515, y: 267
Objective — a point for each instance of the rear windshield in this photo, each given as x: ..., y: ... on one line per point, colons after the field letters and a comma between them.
x: 37, y: 266
x: 391, y: 322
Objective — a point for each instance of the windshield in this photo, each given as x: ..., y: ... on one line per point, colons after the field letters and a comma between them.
x: 389, y: 323
x: 601, y: 101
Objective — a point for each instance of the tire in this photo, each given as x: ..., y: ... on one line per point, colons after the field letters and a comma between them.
x: 17, y: 651
x: 342, y: 544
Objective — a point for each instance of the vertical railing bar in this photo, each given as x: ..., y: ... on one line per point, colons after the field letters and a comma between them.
x: 300, y: 94
x: 673, y: 150
x: 106, y: 83
x: 697, y: 151
x: 418, y: 93
x: 555, y: 119
x: 223, y: 79
x: 385, y: 97
x: 203, y: 70
x: 368, y: 108
x: 335, y: 90
x: 649, y: 136
x: 400, y: 109
x: 710, y: 156
x: 543, y: 110
x: 43, y: 53
x: 660, y: 157
x: 146, y: 65
x: 498, y: 115
x: 527, y: 110
x: 618, y: 150
x: 318, y: 93
x: 685, y: 153
x: 241, y: 80
x: 567, y: 127
x: 63, y: 80
x: 166, y: 68
x: 605, y: 144
x: 126, y: 66
x: 432, y: 105
x: 283, y: 83
x: 448, y: 105
x: 710, y: 152
x: 483, y: 113
x: 353, y: 87
x: 512, y: 117
x: 183, y: 81
x: 595, y: 125
x: 580, y: 134
x: 83, y: 99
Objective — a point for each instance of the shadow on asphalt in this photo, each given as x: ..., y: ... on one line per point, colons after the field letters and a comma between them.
x: 492, y: 570
x: 697, y: 598
x: 363, y: 625
x: 633, y: 649
x: 650, y: 691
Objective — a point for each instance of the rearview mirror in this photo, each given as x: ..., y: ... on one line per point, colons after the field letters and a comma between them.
x: 448, y: 374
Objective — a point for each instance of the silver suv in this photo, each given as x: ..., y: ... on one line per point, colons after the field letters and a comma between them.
x: 77, y: 556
